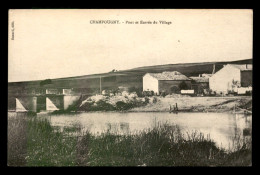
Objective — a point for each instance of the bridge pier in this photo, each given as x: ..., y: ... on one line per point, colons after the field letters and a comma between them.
x: 60, y: 102
x: 27, y: 103
x: 41, y: 103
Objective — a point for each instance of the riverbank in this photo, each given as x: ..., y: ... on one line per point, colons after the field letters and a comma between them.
x: 199, y: 104
x: 34, y: 142
x: 132, y: 103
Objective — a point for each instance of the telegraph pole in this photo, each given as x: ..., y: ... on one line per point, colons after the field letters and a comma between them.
x: 100, y: 84
x: 213, y: 72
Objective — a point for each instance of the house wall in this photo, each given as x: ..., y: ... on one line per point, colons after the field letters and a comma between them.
x: 130, y: 81
x: 246, y: 78
x: 222, y: 80
x: 166, y: 85
x: 150, y: 84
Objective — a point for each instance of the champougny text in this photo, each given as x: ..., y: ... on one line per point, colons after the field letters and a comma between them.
x: 128, y: 22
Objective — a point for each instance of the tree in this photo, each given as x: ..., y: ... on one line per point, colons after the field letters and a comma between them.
x: 175, y: 89
x: 114, y: 70
x: 47, y: 81
x: 183, y: 86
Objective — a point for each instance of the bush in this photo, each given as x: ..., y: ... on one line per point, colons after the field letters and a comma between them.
x: 103, y: 106
x: 120, y: 105
x: 155, y: 99
x: 163, y: 94
x: 146, y: 100
x: 206, y: 91
x: 148, y: 93
x: 115, y: 91
x: 183, y: 86
x: 138, y: 91
x: 87, y: 106
x: 100, y: 105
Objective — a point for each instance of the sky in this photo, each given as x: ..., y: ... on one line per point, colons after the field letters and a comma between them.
x: 61, y: 43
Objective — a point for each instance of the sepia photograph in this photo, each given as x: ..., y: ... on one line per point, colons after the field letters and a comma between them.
x: 130, y: 87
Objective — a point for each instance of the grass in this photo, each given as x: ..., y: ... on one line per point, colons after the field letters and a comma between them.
x: 17, y: 137
x: 34, y: 142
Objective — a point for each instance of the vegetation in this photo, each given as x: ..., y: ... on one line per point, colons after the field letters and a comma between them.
x: 17, y: 138
x: 44, y: 82
x: 119, y: 102
x: 175, y: 89
x: 34, y: 142
x: 183, y: 86
x: 155, y: 99
x: 138, y: 91
x: 31, y: 113
x: 148, y: 93
x: 122, y: 106
x: 102, y: 105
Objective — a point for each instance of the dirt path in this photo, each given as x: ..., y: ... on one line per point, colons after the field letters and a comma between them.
x: 198, y: 104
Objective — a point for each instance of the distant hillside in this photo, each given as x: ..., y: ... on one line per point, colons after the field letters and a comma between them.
x: 185, y: 65
x: 128, y: 78
x: 188, y: 69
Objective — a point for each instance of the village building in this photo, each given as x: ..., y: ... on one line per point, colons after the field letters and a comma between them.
x: 200, y: 84
x: 167, y: 82
x: 206, y: 75
x: 231, y: 78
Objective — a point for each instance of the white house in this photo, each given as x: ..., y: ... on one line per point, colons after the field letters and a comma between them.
x: 164, y: 82
x: 150, y: 83
x: 230, y: 77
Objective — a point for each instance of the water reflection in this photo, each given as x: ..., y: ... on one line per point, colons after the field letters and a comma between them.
x: 220, y: 127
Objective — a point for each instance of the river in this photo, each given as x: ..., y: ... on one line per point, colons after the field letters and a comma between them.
x: 220, y: 127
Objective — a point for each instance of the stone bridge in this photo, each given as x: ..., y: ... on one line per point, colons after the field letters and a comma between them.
x: 41, y: 102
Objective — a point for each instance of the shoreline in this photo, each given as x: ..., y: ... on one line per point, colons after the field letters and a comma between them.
x: 243, y: 104
x: 140, y: 111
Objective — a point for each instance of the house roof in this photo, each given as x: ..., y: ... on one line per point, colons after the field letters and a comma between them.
x: 200, y: 79
x: 169, y: 76
x: 242, y: 67
x: 206, y: 75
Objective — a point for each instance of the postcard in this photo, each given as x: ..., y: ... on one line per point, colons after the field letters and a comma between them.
x: 130, y: 87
